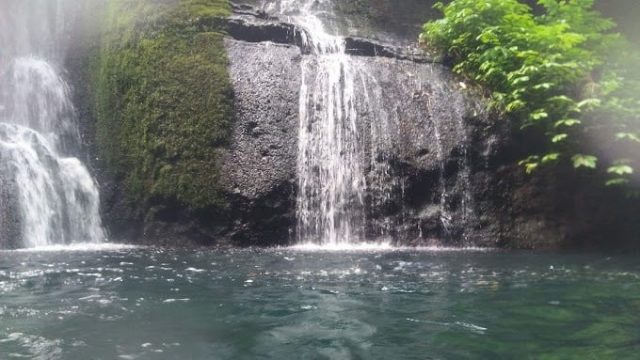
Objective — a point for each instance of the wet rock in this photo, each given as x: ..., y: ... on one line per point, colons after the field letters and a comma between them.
x: 10, y: 226
x: 257, y: 30
x: 248, y: 10
x: 387, y: 21
x: 252, y: 25
x: 364, y: 47
x: 259, y: 167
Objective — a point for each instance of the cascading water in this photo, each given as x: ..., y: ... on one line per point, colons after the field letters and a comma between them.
x: 332, y: 156
x: 383, y: 144
x: 53, y: 193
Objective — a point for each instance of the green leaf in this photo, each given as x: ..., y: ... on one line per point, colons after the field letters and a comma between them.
x: 488, y: 36
x: 550, y: 158
x: 520, y: 80
x: 620, y: 169
x: 530, y: 167
x: 587, y: 161
x: 530, y: 164
x: 543, y: 86
x: 515, y: 105
x: 558, y: 138
x: 561, y: 99
x: 589, y: 104
x: 628, y: 136
x: 617, y: 182
x: 567, y: 122
x: 538, y: 115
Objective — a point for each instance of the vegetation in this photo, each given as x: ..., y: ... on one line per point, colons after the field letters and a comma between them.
x: 563, y: 72
x: 164, y: 99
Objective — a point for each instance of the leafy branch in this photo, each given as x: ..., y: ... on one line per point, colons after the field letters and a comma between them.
x: 562, y: 71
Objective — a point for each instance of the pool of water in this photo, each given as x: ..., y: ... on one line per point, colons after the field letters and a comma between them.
x: 145, y: 303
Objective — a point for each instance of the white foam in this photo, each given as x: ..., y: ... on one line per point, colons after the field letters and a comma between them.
x: 169, y: 301
x: 343, y: 247
x: 382, y: 247
x: 472, y: 327
x: 79, y: 247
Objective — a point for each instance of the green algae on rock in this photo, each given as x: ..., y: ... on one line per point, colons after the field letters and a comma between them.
x: 164, y: 100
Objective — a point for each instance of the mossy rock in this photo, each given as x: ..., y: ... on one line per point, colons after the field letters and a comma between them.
x: 164, y: 100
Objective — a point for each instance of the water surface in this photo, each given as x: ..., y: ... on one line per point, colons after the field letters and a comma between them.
x: 143, y: 303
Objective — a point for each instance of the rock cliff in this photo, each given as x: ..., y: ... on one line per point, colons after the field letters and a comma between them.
x: 447, y: 163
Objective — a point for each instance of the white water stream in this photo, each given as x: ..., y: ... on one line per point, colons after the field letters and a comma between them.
x: 55, y: 198
x: 331, y: 204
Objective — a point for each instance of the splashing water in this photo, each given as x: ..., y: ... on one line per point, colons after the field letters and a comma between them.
x: 52, y: 194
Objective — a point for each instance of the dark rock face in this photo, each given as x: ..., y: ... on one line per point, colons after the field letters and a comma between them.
x: 257, y: 30
x: 365, y: 47
x: 10, y: 226
x: 259, y: 168
x: 450, y: 166
x: 420, y: 178
x: 428, y: 119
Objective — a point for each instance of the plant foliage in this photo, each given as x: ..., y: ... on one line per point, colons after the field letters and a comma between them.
x: 563, y: 71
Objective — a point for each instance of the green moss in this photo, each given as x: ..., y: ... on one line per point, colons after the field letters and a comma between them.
x: 164, y: 100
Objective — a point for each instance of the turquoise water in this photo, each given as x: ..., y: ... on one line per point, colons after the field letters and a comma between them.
x: 141, y: 303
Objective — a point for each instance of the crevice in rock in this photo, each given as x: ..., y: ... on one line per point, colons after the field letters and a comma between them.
x: 252, y: 25
x: 279, y: 33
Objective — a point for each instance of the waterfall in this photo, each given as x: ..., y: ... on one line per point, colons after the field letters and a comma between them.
x: 54, y: 195
x: 332, y: 155
x: 351, y: 127
x: 331, y: 183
